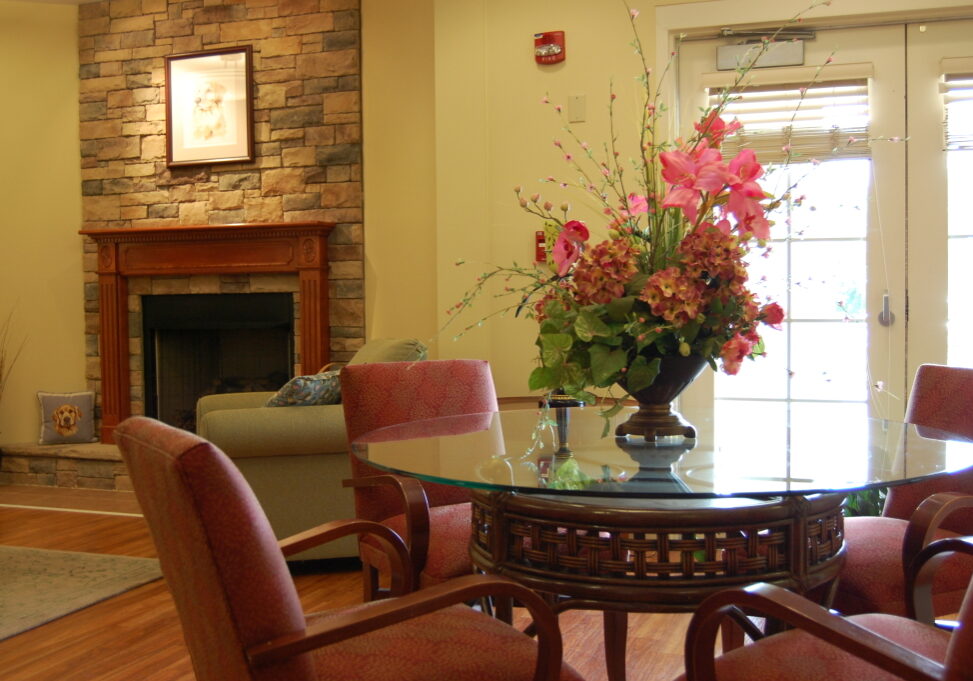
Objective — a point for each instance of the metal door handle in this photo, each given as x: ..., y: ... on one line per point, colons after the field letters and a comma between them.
x: 885, y: 317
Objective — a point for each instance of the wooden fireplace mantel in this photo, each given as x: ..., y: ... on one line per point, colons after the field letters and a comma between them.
x: 298, y: 247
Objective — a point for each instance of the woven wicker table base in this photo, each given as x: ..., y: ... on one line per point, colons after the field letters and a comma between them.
x: 654, y: 555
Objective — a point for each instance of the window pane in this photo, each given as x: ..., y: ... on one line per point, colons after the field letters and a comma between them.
x: 829, y: 361
x: 960, y: 327
x: 765, y: 377
x: 734, y: 422
x: 959, y: 165
x: 846, y: 425
x: 827, y: 280
x: 835, y: 201
x: 767, y: 273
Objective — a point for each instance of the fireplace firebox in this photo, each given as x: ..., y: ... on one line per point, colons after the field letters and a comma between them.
x: 195, y: 345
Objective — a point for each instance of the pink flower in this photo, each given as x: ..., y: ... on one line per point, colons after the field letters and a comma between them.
x: 637, y: 204
x: 690, y: 174
x: 568, y: 246
x: 745, y: 194
x: 772, y: 315
x: 733, y: 352
x: 747, y: 171
x: 750, y: 216
x: 715, y: 128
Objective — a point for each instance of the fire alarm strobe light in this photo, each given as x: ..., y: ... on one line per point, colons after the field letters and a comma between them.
x: 549, y: 47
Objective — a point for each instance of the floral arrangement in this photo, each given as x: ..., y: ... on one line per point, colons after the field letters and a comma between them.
x: 670, y: 277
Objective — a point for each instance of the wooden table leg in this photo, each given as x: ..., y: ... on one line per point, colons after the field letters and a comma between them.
x: 616, y: 636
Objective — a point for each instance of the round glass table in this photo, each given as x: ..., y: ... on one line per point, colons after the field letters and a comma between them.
x: 564, y: 453
x: 627, y: 525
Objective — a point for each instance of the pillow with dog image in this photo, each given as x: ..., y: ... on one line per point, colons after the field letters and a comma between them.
x: 67, y: 417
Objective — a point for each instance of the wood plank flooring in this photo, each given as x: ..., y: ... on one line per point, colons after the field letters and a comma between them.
x: 136, y: 636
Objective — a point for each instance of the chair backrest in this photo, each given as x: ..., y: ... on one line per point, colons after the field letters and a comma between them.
x: 941, y: 399
x: 389, y: 393
x: 218, y: 553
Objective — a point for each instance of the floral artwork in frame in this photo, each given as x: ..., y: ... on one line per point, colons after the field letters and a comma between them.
x: 209, y: 107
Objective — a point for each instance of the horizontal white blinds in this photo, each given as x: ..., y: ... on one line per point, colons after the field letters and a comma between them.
x: 817, y: 121
x: 957, y: 91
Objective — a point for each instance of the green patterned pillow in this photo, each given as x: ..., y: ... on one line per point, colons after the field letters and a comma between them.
x: 305, y: 391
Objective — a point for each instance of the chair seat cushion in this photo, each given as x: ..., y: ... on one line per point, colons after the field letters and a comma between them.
x: 449, y: 544
x: 463, y: 643
x: 795, y: 655
x: 872, y: 578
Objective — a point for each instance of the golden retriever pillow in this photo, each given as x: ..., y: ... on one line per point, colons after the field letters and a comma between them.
x: 67, y: 417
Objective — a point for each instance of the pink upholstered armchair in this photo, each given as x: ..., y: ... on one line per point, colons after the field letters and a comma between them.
x: 433, y: 519
x: 240, y: 611
x: 821, y: 645
x: 879, y: 548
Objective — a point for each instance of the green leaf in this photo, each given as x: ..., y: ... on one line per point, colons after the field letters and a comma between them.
x: 554, y: 348
x: 572, y: 375
x: 758, y: 349
x: 620, y: 308
x: 549, y: 326
x: 606, y: 364
x: 554, y: 310
x: 588, y: 325
x: 542, y: 378
x: 585, y: 396
x: 636, y: 284
x: 690, y: 331
x: 607, y: 414
x: 641, y: 374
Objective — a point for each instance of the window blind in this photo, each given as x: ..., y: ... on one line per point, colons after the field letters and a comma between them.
x: 821, y: 121
x: 957, y: 90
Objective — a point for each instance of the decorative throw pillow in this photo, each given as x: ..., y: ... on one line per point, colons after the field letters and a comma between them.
x: 67, y: 417
x: 305, y: 391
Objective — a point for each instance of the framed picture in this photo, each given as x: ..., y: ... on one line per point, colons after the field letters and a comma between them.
x: 209, y: 107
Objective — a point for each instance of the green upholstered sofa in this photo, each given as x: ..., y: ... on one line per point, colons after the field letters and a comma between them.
x: 295, y: 457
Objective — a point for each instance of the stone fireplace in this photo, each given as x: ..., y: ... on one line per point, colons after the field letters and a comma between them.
x: 129, y: 258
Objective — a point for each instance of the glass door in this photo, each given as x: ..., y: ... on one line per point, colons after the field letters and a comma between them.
x: 940, y: 231
x: 871, y: 265
x: 836, y: 261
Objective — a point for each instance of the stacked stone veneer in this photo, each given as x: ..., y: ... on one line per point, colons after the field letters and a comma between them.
x: 88, y: 466
x: 307, y: 134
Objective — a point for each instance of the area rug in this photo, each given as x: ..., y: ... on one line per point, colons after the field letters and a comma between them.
x: 37, y: 586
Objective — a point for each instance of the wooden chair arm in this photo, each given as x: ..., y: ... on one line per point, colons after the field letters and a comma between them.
x: 920, y: 572
x: 392, y: 611
x: 775, y: 602
x: 403, y: 580
x: 415, y: 508
x: 925, y: 521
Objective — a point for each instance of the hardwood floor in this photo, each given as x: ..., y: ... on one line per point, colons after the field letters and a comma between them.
x: 136, y: 636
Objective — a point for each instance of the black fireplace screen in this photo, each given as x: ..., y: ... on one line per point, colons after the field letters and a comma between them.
x: 195, y: 345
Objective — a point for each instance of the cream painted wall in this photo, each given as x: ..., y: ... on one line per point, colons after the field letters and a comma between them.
x: 489, y: 133
x: 440, y: 188
x: 40, y: 179
x: 399, y: 168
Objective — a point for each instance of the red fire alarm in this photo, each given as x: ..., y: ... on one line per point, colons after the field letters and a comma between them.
x: 540, y: 246
x: 549, y: 47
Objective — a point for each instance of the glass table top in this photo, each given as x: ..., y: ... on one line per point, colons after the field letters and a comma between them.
x: 521, y: 450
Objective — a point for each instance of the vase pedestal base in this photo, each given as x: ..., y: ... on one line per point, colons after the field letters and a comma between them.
x: 653, y: 421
